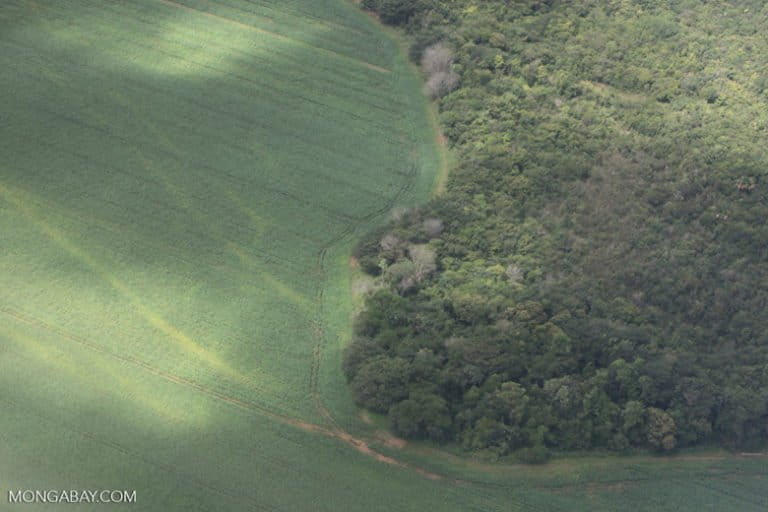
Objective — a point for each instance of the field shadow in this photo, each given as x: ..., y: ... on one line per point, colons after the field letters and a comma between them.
x: 144, y: 160
x: 168, y: 193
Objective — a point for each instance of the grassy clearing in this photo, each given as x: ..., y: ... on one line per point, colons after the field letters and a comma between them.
x: 179, y: 188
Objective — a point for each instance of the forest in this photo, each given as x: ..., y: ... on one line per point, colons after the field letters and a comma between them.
x: 594, y: 276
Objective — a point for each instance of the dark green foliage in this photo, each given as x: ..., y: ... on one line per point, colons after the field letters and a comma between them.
x: 381, y: 382
x: 367, y: 252
x: 600, y: 259
x: 423, y: 414
x: 393, y: 12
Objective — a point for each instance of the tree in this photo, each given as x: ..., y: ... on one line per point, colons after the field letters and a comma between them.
x: 381, y: 383
x: 393, y: 12
x: 423, y: 415
x: 633, y: 416
x: 441, y: 83
x: 432, y: 227
x: 438, y: 58
x: 660, y: 429
x: 357, y: 353
x: 424, y: 260
x: 510, y: 399
x: 437, y: 62
x: 402, y: 275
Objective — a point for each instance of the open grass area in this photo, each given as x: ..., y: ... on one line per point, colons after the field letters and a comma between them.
x: 180, y: 184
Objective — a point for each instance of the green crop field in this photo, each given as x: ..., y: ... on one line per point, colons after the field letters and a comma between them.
x: 180, y: 186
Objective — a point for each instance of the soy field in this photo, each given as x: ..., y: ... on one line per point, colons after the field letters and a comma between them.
x: 180, y: 186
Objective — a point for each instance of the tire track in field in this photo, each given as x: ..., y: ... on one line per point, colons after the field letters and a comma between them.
x: 358, y: 444
x: 275, y: 35
x: 319, y: 327
x: 319, y: 330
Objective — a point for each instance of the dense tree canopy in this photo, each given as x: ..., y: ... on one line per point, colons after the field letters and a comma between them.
x: 595, y: 275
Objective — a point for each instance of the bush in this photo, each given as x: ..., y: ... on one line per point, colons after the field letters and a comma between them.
x: 537, y: 454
